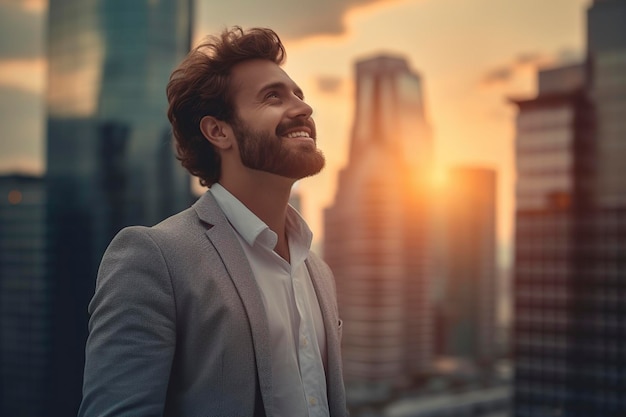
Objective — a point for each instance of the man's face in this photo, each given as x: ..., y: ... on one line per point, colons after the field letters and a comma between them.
x: 273, y: 125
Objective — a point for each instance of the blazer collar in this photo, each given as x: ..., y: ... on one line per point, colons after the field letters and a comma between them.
x: 209, y: 211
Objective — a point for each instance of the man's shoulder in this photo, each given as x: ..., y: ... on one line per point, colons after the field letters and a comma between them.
x: 181, y: 220
x: 196, y: 217
x: 175, y: 229
x: 183, y: 229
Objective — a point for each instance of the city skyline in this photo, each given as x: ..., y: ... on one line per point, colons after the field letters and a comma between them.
x: 551, y: 116
x: 472, y: 56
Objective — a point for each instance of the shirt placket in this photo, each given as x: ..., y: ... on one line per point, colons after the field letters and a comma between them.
x: 310, y: 373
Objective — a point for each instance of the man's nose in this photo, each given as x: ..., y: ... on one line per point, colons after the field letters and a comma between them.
x: 299, y: 108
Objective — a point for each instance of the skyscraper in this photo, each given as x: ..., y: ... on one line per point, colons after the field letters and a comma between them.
x: 606, y: 50
x: 553, y: 150
x: 375, y: 233
x: 390, y: 111
x: 24, y: 316
x: 467, y: 304
x: 571, y: 232
x: 109, y: 154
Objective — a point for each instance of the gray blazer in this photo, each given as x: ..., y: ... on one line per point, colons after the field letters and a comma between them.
x: 178, y: 326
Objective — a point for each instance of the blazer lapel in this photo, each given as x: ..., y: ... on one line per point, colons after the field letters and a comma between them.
x: 325, y: 298
x: 223, y: 238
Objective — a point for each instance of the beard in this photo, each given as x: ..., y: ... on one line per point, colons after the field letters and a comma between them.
x: 268, y: 152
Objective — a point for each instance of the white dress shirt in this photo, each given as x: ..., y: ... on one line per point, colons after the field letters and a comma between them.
x: 297, y: 333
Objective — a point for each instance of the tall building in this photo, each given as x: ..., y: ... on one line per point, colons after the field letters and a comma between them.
x: 390, y: 111
x: 467, y: 267
x: 24, y: 315
x: 109, y: 152
x: 375, y: 231
x: 600, y: 355
x: 606, y: 50
x: 570, y: 279
x: 553, y: 156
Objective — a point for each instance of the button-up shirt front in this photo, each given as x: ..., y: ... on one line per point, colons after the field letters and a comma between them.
x: 298, y: 341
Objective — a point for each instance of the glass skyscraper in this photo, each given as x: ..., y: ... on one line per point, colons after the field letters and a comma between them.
x: 553, y: 151
x: 606, y: 49
x: 376, y: 234
x: 570, y: 280
x: 110, y: 160
x: 24, y: 313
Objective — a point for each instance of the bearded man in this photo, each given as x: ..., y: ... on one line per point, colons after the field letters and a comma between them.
x: 222, y: 309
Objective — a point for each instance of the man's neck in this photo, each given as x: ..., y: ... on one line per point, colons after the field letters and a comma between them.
x: 267, y: 196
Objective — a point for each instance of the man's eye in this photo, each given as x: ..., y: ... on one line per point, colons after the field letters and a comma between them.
x: 272, y: 94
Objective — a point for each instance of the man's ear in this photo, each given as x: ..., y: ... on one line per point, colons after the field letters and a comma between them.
x: 216, y: 131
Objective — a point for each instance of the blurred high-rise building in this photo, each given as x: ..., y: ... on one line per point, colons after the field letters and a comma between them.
x: 553, y: 156
x: 570, y: 274
x: 606, y: 50
x: 466, y: 302
x: 390, y: 112
x: 375, y: 231
x: 24, y: 316
x: 109, y: 153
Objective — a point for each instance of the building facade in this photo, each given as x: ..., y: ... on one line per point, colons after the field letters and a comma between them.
x: 375, y: 237
x: 24, y: 299
x: 553, y: 146
x: 606, y: 51
x: 570, y: 291
x: 109, y: 152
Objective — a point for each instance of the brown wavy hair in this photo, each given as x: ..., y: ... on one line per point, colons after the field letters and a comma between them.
x: 200, y: 86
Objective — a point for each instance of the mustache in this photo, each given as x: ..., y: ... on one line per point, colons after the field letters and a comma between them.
x: 296, y: 123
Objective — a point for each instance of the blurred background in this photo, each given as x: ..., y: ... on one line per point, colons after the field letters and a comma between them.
x: 473, y: 206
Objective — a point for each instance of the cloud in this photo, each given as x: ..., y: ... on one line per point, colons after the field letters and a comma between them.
x: 528, y: 58
x: 23, y: 74
x: 293, y: 20
x: 497, y: 75
x: 29, y: 5
x: 21, y: 30
x: 524, y: 63
x: 328, y: 84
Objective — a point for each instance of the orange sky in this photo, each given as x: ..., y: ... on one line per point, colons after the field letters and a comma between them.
x: 471, y: 54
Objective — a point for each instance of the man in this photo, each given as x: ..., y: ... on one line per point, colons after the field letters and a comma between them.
x: 222, y: 310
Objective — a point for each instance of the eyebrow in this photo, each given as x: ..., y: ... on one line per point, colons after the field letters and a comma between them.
x: 280, y: 85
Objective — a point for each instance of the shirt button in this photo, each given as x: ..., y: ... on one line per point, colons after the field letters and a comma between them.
x: 304, y: 342
x: 312, y: 400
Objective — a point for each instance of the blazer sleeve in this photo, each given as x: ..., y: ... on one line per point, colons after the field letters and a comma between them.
x: 132, y: 331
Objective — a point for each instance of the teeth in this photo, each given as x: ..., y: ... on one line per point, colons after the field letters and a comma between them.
x: 301, y: 134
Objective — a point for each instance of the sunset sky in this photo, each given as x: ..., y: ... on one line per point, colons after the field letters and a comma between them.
x: 471, y: 55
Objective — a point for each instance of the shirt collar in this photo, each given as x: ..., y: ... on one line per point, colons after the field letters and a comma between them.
x: 253, y: 230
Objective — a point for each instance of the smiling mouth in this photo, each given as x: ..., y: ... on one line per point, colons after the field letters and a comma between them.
x: 298, y: 134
